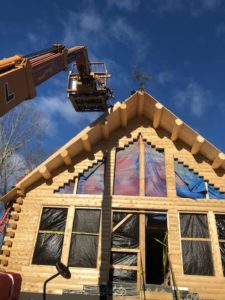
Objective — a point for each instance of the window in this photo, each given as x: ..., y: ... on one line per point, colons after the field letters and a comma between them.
x: 92, y: 180
x: 49, y: 242
x: 127, y: 171
x: 196, y: 244
x: 155, y: 176
x: 220, y: 224
x: 190, y: 185
x: 84, y: 240
x: 125, y: 244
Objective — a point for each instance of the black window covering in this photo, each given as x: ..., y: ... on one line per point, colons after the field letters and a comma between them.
x: 194, y: 225
x: 220, y: 224
x: 86, y: 221
x: 121, y: 258
x: 49, y: 242
x: 197, y: 258
x: 127, y: 235
x: 84, y: 240
x: 197, y: 254
x: 117, y: 275
x: 222, y: 252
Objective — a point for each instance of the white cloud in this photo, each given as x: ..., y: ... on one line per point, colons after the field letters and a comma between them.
x: 128, y: 5
x: 33, y: 38
x: 195, y: 98
x: 165, y: 77
x: 59, y: 106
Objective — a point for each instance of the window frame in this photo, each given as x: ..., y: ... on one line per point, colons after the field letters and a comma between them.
x: 68, y: 235
x: 208, y: 239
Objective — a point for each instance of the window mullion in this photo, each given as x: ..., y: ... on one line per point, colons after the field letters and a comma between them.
x: 67, y: 235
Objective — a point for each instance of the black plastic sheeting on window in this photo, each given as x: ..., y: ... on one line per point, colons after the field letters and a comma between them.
x: 53, y: 219
x: 49, y: 244
x: 220, y: 224
x: 222, y: 252
x: 127, y: 235
x: 197, y: 258
x: 117, y: 275
x: 121, y: 258
x: 48, y: 249
x: 86, y: 221
x: 194, y: 225
x: 83, y: 251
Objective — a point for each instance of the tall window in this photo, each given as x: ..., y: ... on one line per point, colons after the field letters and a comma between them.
x: 155, y: 176
x: 220, y: 224
x: 85, y: 237
x: 127, y: 171
x: 196, y: 245
x: 125, y: 244
x: 49, y: 242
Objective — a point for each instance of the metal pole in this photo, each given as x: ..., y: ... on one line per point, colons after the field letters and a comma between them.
x: 44, y: 288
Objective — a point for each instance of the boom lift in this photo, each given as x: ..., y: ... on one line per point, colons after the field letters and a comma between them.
x: 87, y: 82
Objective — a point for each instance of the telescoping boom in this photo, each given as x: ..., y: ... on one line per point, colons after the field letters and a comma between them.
x: 87, y: 82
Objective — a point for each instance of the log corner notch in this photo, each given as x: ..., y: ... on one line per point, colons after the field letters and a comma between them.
x: 20, y: 191
x: 157, y: 114
x: 196, y: 147
x: 45, y: 173
x: 218, y: 161
x: 66, y: 157
x: 86, y: 143
x: 140, y: 103
x: 123, y: 115
x: 178, y: 124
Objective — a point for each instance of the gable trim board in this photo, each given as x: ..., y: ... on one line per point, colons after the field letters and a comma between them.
x: 140, y: 103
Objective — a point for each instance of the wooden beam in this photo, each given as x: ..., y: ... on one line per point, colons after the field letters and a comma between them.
x: 140, y: 103
x: 176, y: 129
x: 8, y: 241
x: 12, y: 224
x: 66, y: 157
x: 197, y: 144
x: 157, y: 115
x: 105, y: 130
x: 45, y: 172
x: 6, y: 250
x: 20, y: 191
x: 122, y: 222
x: 3, y: 260
x: 123, y: 115
x: 15, y: 215
x: 17, y: 207
x: 86, y: 143
x: 10, y: 232
x: 19, y: 200
x: 218, y: 161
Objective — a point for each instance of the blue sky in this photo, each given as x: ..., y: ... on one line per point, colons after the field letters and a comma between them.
x: 180, y: 44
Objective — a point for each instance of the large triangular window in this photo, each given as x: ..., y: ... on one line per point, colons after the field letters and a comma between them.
x: 155, y: 176
x: 190, y: 185
x: 92, y: 180
x: 127, y: 170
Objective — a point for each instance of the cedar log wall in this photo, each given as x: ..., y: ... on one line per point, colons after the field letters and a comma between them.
x: 41, y: 194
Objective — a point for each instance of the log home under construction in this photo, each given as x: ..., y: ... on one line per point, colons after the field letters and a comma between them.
x: 134, y: 205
